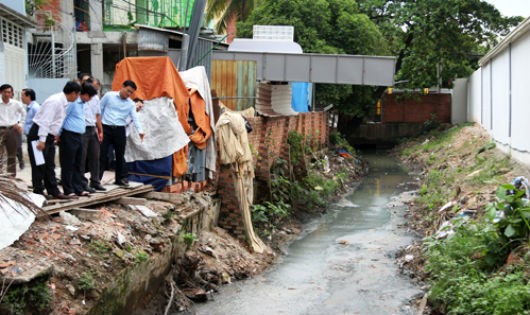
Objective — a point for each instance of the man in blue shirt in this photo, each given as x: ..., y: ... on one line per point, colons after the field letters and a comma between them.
x: 71, y: 143
x: 32, y: 107
x: 116, y: 107
x: 29, y: 98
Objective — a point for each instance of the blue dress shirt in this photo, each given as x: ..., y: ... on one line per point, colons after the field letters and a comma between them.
x: 74, y: 120
x: 115, y: 111
x: 32, y: 109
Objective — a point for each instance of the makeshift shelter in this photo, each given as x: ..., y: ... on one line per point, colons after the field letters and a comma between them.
x: 163, y: 154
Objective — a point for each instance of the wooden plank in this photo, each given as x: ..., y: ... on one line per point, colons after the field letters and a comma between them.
x: 97, y: 199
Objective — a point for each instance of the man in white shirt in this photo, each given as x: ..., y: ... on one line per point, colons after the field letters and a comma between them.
x: 91, y: 141
x: 45, y: 129
x: 12, y: 115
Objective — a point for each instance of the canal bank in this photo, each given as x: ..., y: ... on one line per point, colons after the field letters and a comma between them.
x: 119, y: 257
x: 473, y: 257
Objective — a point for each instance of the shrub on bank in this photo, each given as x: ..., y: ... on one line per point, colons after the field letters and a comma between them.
x: 476, y: 249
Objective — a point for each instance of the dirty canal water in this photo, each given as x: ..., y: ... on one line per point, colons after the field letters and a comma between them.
x: 343, y: 263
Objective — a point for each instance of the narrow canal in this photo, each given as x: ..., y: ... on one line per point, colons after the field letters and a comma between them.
x: 343, y: 263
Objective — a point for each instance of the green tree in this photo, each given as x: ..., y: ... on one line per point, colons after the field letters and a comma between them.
x: 328, y: 27
x: 436, y: 41
x: 228, y: 10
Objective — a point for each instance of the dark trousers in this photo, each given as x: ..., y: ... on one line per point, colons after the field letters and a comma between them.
x: 8, y: 148
x: 71, y: 148
x: 19, y: 149
x: 90, y: 156
x: 115, y: 136
x: 45, y: 172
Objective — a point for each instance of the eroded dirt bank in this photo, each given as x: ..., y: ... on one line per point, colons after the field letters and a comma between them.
x: 117, y: 259
x: 459, y: 171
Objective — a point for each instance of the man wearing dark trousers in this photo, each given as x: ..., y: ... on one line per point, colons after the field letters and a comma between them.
x: 116, y: 107
x: 71, y: 143
x: 46, y: 124
x: 29, y: 97
x: 91, y: 142
x: 12, y: 116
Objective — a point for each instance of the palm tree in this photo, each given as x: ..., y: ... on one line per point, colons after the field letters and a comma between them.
x: 228, y: 11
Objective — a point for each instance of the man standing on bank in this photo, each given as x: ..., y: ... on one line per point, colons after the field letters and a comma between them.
x: 12, y: 116
x: 91, y: 142
x: 116, y: 107
x: 28, y: 97
x: 45, y: 129
x: 71, y: 143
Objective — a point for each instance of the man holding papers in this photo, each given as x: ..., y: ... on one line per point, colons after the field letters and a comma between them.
x: 42, y: 136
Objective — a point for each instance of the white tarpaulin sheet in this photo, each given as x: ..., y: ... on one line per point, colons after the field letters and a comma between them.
x: 164, y: 134
x: 15, y: 218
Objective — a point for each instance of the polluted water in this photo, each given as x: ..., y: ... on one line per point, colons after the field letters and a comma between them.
x: 343, y: 262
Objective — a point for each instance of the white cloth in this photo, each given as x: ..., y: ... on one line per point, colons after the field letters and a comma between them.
x: 196, y: 78
x: 15, y: 218
x: 51, y: 115
x: 164, y: 134
x: 12, y: 113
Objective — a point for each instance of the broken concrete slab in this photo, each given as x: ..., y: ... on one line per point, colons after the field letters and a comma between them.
x: 21, y: 267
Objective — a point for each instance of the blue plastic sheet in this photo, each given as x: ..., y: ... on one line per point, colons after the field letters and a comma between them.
x: 150, y: 172
x: 301, y: 96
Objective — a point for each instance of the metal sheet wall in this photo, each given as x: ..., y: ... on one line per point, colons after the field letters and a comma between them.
x: 235, y: 83
x: 520, y: 87
x: 498, y: 97
x: 203, y: 56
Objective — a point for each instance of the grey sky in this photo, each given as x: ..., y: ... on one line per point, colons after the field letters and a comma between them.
x: 512, y: 7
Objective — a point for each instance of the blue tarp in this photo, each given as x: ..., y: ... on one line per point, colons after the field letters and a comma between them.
x: 143, y: 171
x: 301, y: 99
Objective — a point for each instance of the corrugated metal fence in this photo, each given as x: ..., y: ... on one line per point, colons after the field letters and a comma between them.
x: 234, y: 83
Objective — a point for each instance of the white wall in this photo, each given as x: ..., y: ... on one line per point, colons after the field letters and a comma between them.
x: 500, y: 97
x: 499, y: 94
x: 521, y: 94
x: 46, y: 87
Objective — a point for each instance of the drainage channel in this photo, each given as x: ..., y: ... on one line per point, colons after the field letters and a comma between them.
x: 343, y: 263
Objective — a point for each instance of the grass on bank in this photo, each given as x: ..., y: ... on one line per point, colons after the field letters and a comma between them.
x: 483, y: 267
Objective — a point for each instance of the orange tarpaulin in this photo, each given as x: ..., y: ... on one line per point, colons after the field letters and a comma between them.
x: 202, y: 133
x: 155, y: 77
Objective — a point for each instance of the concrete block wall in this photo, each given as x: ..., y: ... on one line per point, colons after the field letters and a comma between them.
x: 397, y: 108
x: 268, y: 140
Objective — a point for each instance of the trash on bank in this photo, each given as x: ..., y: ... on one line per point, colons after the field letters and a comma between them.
x: 18, y: 209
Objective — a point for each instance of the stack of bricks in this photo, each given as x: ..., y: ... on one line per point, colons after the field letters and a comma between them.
x: 230, y: 217
x: 269, y: 140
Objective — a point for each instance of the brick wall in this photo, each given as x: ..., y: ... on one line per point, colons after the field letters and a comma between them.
x: 269, y: 141
x: 416, y: 109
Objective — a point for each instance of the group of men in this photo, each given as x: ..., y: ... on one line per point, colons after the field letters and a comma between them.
x: 84, y: 127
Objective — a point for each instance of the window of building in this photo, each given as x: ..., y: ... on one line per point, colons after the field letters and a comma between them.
x: 11, y: 33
